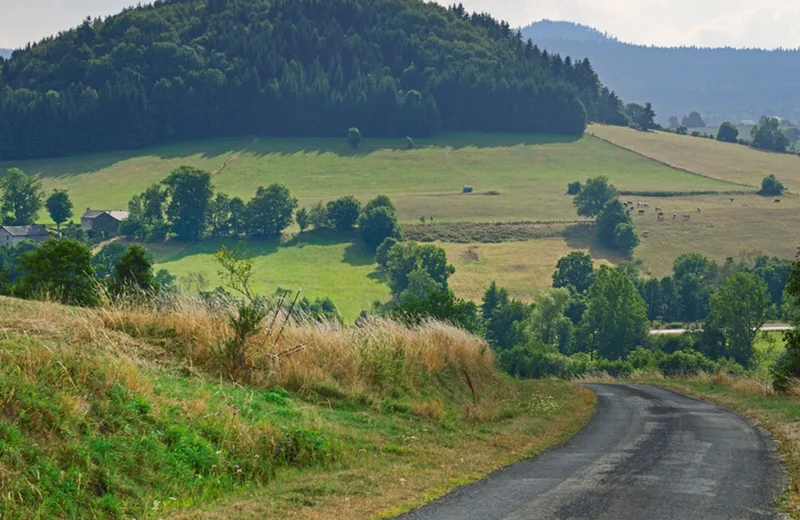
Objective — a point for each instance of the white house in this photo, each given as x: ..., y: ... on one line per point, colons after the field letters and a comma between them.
x: 11, y: 236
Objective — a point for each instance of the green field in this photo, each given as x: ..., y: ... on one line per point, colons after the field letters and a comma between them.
x: 530, y: 172
x: 516, y: 178
x: 725, y: 161
x: 319, y: 264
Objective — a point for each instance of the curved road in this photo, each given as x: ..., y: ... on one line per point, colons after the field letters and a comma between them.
x: 649, y: 454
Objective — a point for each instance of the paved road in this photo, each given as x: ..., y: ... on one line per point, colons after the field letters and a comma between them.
x: 649, y: 454
x: 677, y: 332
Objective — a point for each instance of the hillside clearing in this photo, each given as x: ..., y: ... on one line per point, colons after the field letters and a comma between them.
x: 724, y: 161
x: 529, y: 171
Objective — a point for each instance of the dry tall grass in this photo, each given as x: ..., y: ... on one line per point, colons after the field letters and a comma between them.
x: 378, y: 355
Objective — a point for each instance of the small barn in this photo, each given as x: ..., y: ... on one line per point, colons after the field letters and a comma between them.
x: 104, y: 220
x: 11, y: 236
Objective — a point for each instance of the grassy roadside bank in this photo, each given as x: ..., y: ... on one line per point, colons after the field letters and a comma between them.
x: 125, y: 413
x: 778, y: 414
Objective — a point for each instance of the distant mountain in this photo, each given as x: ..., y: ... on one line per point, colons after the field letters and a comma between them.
x: 5, y: 53
x: 722, y: 84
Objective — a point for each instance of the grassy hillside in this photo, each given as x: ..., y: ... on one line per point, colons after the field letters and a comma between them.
x: 530, y: 172
x: 127, y: 413
x: 517, y: 178
x: 728, y: 162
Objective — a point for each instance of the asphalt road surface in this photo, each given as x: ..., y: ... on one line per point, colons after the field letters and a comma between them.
x: 649, y: 454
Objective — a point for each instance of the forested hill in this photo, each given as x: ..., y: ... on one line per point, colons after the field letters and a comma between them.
x: 184, y: 69
x: 722, y: 84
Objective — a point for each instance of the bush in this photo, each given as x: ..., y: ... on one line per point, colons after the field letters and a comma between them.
x: 695, y: 134
x: 537, y: 362
x: 682, y: 130
x: 354, y: 137
x: 685, y: 363
x: 771, y: 186
x: 377, y: 224
x: 573, y: 188
x: 343, y: 213
x: 382, y: 253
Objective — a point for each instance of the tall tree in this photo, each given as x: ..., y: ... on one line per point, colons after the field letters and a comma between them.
x: 574, y: 271
x: 615, y: 320
x: 270, y: 211
x: 343, y: 213
x: 739, y: 310
x: 59, y: 206
x: 594, y: 195
x: 134, y: 271
x: 22, y: 198
x: 189, y: 191
x: 59, y: 269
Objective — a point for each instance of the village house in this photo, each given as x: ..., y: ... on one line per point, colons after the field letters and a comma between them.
x: 107, y: 221
x: 11, y: 236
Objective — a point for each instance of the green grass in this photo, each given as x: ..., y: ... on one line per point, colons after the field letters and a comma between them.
x: 724, y: 161
x: 321, y: 264
x: 91, y: 428
x: 516, y: 177
x: 530, y: 171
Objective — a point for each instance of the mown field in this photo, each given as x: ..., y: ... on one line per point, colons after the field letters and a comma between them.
x: 517, y: 178
x: 744, y: 130
x: 530, y: 172
x: 725, y: 161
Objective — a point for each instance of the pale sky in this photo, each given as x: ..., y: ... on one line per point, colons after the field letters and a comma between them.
x: 738, y: 23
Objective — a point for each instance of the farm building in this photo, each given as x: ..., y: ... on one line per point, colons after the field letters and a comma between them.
x: 103, y: 220
x: 11, y: 236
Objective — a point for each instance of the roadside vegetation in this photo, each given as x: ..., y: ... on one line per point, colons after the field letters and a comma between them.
x: 128, y: 411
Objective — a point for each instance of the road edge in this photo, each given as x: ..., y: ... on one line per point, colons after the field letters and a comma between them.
x: 439, y: 493
x: 787, y: 445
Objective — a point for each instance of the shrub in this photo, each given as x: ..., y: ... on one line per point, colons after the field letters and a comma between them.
x: 573, y: 188
x: 695, y: 134
x: 682, y: 130
x: 377, y: 224
x: 343, y: 213
x: 771, y: 186
x: 382, y: 253
x: 685, y: 363
x: 354, y: 137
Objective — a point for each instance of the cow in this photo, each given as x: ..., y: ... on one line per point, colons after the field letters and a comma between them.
x: 777, y: 201
x: 732, y: 199
x: 674, y: 216
x: 641, y: 212
x: 699, y: 210
x: 660, y: 216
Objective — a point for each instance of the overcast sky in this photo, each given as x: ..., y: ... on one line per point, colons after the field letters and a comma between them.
x: 738, y: 23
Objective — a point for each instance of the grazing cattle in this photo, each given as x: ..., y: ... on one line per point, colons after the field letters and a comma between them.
x: 777, y: 201
x: 699, y: 210
x: 687, y: 217
x: 659, y: 210
x: 645, y: 234
x: 629, y: 203
x: 660, y: 216
x: 641, y: 212
x: 674, y: 216
x: 630, y: 210
x: 732, y: 199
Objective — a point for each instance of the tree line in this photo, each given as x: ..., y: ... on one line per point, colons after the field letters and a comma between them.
x: 599, y: 319
x: 187, y: 69
x: 184, y: 207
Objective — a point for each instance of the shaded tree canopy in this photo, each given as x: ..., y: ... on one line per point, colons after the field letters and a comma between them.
x: 186, y: 69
